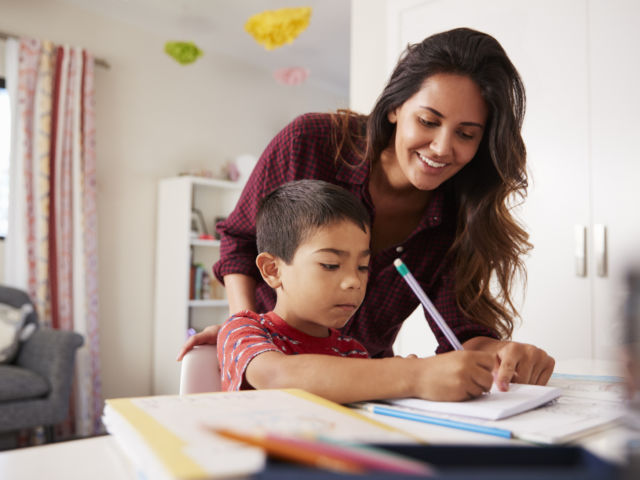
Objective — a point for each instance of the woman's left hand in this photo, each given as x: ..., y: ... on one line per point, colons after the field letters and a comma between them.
x: 522, y: 363
x: 516, y: 362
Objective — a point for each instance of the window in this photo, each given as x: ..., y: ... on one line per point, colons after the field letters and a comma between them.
x: 5, y: 125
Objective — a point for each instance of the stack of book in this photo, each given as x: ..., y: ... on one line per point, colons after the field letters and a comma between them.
x: 199, y: 283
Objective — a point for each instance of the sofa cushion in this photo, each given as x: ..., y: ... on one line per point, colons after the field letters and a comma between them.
x: 16, y: 326
x: 21, y: 384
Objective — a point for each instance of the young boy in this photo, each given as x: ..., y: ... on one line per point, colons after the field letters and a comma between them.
x: 313, y: 243
x: 313, y: 239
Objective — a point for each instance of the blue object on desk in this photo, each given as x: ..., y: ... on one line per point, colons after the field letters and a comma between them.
x: 443, y: 422
x: 473, y: 463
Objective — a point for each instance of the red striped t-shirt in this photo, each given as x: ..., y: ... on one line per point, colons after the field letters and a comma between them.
x: 247, y: 334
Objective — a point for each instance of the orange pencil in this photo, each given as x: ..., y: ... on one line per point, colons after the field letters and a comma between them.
x: 329, y: 454
x: 294, y: 451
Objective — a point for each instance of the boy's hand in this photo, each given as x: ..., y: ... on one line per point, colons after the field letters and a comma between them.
x: 455, y: 376
x: 209, y: 336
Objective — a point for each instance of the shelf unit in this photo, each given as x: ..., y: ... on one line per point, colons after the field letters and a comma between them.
x: 198, y: 242
x: 176, y: 250
x: 210, y: 302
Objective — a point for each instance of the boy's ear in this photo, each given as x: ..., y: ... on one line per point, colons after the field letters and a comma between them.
x: 269, y: 269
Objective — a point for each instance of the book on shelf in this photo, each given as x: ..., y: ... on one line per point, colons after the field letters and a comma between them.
x: 198, y: 282
x: 206, y: 286
x: 192, y: 282
x: 217, y: 290
x: 200, y: 287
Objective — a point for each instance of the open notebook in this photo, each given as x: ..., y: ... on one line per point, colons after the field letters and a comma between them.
x: 492, y: 406
x: 587, y: 403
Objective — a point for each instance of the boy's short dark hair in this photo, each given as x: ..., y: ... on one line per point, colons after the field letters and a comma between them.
x: 291, y: 212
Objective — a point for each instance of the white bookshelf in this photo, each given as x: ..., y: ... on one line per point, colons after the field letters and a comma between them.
x: 197, y: 242
x: 174, y: 311
x: 209, y: 302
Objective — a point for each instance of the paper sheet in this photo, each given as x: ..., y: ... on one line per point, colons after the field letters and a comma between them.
x: 493, y: 406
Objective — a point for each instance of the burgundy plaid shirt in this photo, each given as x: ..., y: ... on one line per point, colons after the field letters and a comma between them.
x: 303, y: 149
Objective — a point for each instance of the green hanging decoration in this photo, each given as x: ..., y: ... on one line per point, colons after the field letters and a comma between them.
x: 183, y: 52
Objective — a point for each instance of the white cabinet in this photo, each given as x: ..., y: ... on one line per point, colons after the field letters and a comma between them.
x: 581, y: 74
x: 614, y: 75
x: 177, y: 248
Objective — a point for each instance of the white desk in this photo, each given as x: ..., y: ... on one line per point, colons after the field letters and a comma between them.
x: 97, y: 458
x: 100, y: 458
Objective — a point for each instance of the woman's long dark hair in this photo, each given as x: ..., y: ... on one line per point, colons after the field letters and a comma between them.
x: 489, y: 242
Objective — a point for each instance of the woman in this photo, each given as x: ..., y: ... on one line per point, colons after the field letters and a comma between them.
x: 436, y: 163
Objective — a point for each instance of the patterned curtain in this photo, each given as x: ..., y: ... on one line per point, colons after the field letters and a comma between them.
x: 51, y: 248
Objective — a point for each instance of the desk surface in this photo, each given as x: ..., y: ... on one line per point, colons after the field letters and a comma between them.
x: 100, y: 457
x: 97, y: 458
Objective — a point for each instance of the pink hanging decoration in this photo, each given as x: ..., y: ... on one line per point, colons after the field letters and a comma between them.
x: 291, y: 76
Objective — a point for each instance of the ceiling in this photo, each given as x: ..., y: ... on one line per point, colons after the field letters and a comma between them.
x: 218, y: 26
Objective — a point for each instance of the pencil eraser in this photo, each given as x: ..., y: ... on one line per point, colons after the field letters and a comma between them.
x: 401, y: 267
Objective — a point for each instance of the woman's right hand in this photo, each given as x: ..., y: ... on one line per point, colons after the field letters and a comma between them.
x: 455, y: 376
x: 208, y: 336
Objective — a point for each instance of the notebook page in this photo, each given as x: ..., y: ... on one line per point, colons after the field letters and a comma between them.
x: 492, y: 406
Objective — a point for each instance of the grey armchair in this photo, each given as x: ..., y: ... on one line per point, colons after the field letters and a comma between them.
x: 35, y: 387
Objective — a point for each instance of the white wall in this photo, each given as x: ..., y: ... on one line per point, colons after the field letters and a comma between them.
x: 155, y: 118
x: 369, y: 73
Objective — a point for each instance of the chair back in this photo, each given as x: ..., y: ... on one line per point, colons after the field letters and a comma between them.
x: 200, y: 371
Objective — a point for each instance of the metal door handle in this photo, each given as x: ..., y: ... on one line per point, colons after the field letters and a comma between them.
x: 600, y: 248
x: 580, y: 234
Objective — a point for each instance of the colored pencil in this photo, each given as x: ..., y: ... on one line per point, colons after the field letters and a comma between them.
x: 341, y: 457
x: 398, y: 412
x: 408, y: 277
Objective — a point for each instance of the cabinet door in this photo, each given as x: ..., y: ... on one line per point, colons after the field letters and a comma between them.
x: 615, y: 126
x: 547, y: 42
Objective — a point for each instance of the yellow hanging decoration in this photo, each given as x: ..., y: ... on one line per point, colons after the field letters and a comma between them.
x: 274, y: 28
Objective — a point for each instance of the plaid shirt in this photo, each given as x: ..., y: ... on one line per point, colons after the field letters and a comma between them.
x: 248, y: 334
x: 303, y: 149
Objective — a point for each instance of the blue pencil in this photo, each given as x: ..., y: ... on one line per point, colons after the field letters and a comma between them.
x: 443, y: 422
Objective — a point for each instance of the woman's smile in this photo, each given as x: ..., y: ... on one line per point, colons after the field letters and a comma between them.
x: 430, y: 162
